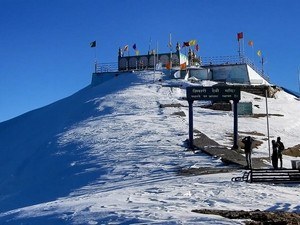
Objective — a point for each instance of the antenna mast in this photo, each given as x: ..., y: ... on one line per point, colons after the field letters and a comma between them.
x: 299, y: 79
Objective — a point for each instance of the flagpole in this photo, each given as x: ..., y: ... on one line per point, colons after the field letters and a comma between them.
x: 150, y: 45
x: 170, y: 46
x: 299, y: 79
x: 240, y: 36
x: 239, y: 51
x: 96, y: 58
x: 157, y: 51
x: 262, y: 61
x: 93, y: 44
x: 154, y: 62
x: 262, y: 65
x: 243, y: 48
x: 268, y: 126
x: 253, y: 54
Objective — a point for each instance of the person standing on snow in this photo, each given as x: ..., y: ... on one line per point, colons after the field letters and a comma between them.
x: 275, y: 154
x: 280, y: 150
x: 248, y: 150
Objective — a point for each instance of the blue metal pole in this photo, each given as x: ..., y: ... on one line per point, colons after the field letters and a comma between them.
x: 235, y: 125
x: 191, y: 128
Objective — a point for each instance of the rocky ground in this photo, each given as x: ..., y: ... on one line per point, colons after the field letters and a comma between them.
x: 257, y: 217
x: 293, y: 151
x: 249, y: 217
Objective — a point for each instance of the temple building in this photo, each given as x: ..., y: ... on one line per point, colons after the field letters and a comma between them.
x: 232, y: 69
x: 227, y: 69
x: 161, y: 60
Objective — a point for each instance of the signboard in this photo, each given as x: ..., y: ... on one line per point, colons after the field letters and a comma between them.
x: 245, y: 108
x: 213, y: 93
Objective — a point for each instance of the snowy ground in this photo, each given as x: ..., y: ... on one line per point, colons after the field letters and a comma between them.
x: 110, y: 155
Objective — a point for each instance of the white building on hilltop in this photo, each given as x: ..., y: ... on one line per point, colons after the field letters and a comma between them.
x: 226, y: 69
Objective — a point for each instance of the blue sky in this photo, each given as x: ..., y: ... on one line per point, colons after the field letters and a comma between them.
x: 45, y: 53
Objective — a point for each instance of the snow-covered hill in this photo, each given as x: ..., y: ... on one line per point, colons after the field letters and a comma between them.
x: 109, y: 155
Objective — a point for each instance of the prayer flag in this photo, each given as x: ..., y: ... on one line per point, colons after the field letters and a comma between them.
x: 197, y: 47
x: 240, y: 36
x: 152, y: 52
x: 183, y: 66
x: 168, y: 65
x: 93, y: 44
x: 137, y: 52
x: 259, y: 53
x: 250, y: 43
x: 192, y: 42
x: 125, y: 48
x: 134, y: 46
x: 186, y: 44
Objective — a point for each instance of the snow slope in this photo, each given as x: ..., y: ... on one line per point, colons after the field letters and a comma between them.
x: 110, y: 155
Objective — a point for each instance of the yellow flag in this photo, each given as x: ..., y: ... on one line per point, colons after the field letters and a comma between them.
x: 192, y: 42
x: 137, y: 52
x: 259, y: 53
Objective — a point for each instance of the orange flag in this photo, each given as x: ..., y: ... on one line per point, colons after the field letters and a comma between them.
x: 168, y: 66
x: 183, y: 66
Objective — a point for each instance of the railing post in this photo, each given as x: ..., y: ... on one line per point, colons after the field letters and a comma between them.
x: 95, y: 67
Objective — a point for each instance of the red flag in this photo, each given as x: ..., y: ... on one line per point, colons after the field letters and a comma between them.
x: 197, y: 47
x: 240, y: 36
x: 186, y: 44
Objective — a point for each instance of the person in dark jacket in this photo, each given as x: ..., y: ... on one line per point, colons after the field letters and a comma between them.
x: 280, y: 149
x: 275, y: 154
x: 248, y: 150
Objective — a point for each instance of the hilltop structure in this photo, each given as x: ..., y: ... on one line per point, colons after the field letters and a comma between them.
x: 154, y: 60
x: 228, y: 69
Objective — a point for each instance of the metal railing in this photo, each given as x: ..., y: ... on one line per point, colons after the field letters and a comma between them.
x: 106, y: 67
x: 205, y: 61
x: 220, y: 60
x: 235, y: 59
